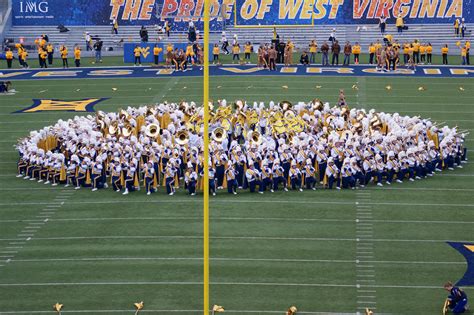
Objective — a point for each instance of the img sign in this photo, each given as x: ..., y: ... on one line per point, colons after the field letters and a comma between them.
x: 33, y: 6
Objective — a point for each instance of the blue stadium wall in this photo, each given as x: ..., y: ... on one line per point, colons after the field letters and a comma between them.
x: 247, y: 12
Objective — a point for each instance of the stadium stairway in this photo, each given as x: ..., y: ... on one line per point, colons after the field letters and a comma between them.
x: 436, y: 34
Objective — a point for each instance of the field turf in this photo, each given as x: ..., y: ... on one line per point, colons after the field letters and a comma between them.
x: 324, y: 251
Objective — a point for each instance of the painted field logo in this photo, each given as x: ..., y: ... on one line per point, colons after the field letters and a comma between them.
x: 467, y: 250
x: 145, y: 51
x: 41, y: 105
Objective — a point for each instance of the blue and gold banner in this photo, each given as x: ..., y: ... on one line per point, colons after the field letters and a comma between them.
x: 308, y: 12
x: 247, y: 12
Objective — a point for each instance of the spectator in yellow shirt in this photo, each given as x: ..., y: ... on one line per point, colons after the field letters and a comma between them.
x: 371, y: 53
x: 444, y: 53
x: 236, y: 53
x: 247, y: 51
x: 215, y: 54
x: 429, y: 53
x: 77, y: 56
x: 156, y: 53
x: 356, y: 52
x: 43, y: 56
x: 136, y: 53
x: 399, y: 23
x: 190, y: 54
x: 406, y: 48
x: 422, y: 54
x: 313, y: 49
x: 50, y: 51
x: 23, y: 56
x: 416, y: 51
x: 64, y: 53
x: 9, y: 57
x: 463, y: 55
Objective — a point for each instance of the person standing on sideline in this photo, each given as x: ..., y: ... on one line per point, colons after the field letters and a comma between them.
x: 371, y: 53
x: 429, y: 53
x: 313, y: 49
x: 336, y: 49
x: 98, y: 50
x: 325, y: 52
x: 272, y: 56
x: 156, y: 53
x: 463, y: 55
x: 444, y: 53
x: 399, y: 23
x: 77, y: 56
x: 114, y: 26
x: 347, y: 54
x: 9, y: 58
x: 332, y: 36
x: 215, y: 54
x: 43, y: 57
x: 50, y: 51
x: 356, y: 52
x: 382, y: 23
x: 468, y: 48
x: 64, y: 53
x: 137, y: 52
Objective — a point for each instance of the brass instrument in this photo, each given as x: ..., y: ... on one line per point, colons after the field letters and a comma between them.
x: 152, y: 130
x: 114, y: 129
x: 256, y: 138
x: 182, y: 137
x: 124, y: 115
x: 218, y: 134
x: 127, y: 130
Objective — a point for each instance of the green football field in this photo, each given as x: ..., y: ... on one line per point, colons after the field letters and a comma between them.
x: 324, y: 251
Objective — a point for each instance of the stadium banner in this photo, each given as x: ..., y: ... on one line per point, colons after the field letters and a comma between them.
x: 128, y: 12
x: 306, y: 12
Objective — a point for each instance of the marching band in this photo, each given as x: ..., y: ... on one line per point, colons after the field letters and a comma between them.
x: 252, y: 147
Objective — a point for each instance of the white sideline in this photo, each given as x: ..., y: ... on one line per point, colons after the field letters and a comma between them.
x: 264, y: 238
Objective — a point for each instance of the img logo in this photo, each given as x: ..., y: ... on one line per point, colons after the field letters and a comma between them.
x: 34, y: 6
